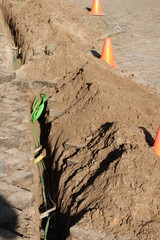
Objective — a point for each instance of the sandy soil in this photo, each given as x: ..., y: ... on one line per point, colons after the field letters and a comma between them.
x: 103, y: 125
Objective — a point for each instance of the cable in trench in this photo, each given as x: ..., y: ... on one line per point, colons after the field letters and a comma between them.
x: 37, y: 109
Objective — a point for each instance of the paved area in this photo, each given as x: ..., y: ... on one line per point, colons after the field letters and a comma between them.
x: 16, y: 161
x: 134, y: 28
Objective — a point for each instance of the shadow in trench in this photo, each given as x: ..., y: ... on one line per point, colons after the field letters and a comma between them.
x: 8, y: 220
x: 45, y: 128
x: 65, y: 220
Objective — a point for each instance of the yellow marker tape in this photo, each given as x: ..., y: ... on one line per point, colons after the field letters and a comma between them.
x: 38, y: 159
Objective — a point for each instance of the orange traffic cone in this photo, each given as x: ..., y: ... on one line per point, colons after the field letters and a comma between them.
x: 107, y: 53
x: 96, y: 8
x: 157, y: 143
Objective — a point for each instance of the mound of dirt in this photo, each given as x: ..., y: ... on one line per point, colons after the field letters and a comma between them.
x: 105, y: 172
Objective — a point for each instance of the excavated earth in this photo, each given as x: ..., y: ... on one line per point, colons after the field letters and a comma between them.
x: 105, y: 173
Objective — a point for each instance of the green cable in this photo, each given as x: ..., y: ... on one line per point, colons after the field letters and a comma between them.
x: 46, y: 228
x: 38, y: 106
x: 37, y: 109
x: 37, y: 142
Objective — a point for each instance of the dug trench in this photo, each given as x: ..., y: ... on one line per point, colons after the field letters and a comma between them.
x: 98, y: 128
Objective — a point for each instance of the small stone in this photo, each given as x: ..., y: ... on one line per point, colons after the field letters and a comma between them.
x: 21, y: 199
x: 17, y: 197
x: 86, y: 233
x: 38, y: 51
x: 70, y: 145
x: 49, y: 49
x: 70, y: 162
x: 21, y: 179
x: 15, y: 163
x: 6, y: 189
x: 19, y: 154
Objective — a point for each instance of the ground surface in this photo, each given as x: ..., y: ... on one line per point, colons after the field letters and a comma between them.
x: 136, y: 43
x: 101, y: 125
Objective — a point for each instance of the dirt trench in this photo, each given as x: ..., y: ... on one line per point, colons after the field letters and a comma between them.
x: 98, y: 129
